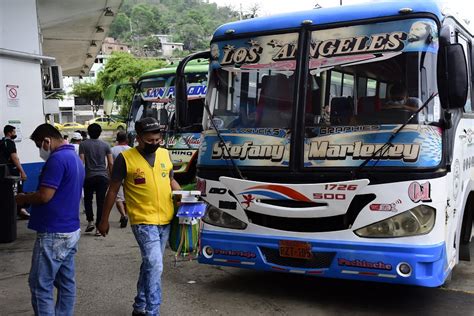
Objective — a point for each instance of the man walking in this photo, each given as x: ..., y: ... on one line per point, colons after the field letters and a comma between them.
x: 147, y: 175
x: 55, y: 217
x: 9, y: 156
x: 121, y: 146
x: 94, y: 153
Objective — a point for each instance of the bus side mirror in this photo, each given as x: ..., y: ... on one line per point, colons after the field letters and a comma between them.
x: 182, y: 90
x: 136, y: 102
x: 163, y: 117
x: 452, y: 76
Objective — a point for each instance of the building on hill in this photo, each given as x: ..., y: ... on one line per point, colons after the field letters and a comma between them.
x: 167, y: 46
x: 111, y: 45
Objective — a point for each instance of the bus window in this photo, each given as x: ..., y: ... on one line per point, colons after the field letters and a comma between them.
x: 374, y: 81
x: 336, y: 84
x: 382, y: 90
x: 371, y: 87
x: 348, y: 86
x: 254, y: 98
x: 361, y: 86
x: 465, y: 44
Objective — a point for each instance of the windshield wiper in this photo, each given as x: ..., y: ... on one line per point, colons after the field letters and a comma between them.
x: 383, y: 149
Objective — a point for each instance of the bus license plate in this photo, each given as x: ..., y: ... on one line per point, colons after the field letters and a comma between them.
x: 295, y: 249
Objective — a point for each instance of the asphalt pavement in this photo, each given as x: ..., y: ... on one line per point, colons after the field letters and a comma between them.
x: 107, y: 270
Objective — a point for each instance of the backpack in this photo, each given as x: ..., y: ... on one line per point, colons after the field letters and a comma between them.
x: 4, y: 154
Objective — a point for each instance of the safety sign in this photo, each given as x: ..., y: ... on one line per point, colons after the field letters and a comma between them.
x: 13, y: 98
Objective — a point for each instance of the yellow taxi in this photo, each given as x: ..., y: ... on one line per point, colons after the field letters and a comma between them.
x: 108, y: 123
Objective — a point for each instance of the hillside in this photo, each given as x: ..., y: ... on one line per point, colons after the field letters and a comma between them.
x: 191, y: 22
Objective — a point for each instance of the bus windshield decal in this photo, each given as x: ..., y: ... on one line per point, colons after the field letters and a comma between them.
x: 417, y: 146
x: 369, y: 40
x: 385, y: 42
x: 361, y: 42
x: 258, y: 52
x: 361, y: 150
x: 165, y: 93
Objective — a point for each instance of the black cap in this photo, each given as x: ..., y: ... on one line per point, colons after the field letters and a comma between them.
x: 147, y: 124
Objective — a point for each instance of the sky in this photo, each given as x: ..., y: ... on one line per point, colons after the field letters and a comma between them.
x: 269, y: 7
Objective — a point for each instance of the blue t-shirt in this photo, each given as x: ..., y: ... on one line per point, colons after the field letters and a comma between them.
x: 64, y: 172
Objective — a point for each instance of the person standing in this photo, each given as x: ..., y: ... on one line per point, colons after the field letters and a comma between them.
x: 55, y: 218
x: 121, y: 146
x: 147, y: 175
x: 97, y: 158
x: 76, y: 140
x: 9, y: 156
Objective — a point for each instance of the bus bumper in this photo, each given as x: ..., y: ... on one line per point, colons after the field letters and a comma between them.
x: 390, y: 263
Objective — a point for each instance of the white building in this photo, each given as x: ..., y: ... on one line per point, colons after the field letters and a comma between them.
x: 167, y: 46
x: 38, y: 34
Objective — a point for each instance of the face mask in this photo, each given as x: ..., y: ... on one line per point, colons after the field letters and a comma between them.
x: 44, y: 154
x: 150, y: 148
x: 13, y: 137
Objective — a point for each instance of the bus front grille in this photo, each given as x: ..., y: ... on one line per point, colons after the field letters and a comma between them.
x: 313, y: 224
x: 307, y: 225
x: 320, y: 260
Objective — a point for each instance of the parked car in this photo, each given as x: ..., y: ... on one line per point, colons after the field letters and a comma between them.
x: 108, y: 123
x: 58, y: 126
x: 70, y: 126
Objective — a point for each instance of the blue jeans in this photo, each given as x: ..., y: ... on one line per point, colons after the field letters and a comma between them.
x: 152, y: 241
x: 52, y: 265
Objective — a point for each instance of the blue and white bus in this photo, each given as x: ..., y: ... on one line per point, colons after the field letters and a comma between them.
x: 339, y: 143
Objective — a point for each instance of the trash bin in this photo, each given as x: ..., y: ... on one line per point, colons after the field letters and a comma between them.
x: 8, y: 190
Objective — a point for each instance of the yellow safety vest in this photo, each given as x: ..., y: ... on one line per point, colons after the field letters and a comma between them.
x: 147, y: 189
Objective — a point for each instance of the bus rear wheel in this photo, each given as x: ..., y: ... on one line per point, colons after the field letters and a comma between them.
x: 466, y: 230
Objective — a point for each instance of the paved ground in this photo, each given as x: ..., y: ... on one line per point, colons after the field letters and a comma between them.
x: 107, y: 270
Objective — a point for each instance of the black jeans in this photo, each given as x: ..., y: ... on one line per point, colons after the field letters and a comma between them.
x: 97, y: 184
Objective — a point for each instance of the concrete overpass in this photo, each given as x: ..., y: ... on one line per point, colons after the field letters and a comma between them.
x: 73, y: 30
x: 34, y: 35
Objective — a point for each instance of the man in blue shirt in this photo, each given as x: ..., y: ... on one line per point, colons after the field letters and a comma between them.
x: 55, y: 217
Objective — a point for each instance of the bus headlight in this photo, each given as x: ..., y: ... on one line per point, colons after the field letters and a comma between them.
x: 217, y: 217
x: 416, y: 221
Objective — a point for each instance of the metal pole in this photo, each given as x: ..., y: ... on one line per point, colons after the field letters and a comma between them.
x: 340, y: 2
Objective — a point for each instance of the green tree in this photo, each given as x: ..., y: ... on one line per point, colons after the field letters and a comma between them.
x: 123, y: 68
x: 120, y: 27
x: 189, y: 21
x: 87, y: 90
x: 192, y: 35
x: 124, y: 99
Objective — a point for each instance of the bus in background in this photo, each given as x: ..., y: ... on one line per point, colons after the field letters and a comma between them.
x: 154, y: 96
x: 339, y: 142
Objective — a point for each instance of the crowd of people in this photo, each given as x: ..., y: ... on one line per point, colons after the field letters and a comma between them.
x: 139, y: 181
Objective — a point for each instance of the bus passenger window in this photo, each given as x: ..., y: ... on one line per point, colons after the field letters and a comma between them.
x: 313, y: 101
x: 275, y: 103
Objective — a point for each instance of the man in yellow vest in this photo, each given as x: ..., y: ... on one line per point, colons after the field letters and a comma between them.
x: 147, y: 175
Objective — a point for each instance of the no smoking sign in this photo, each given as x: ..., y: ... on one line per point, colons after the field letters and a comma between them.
x: 12, y: 95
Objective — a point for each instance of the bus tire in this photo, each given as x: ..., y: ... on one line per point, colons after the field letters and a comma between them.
x: 466, y: 230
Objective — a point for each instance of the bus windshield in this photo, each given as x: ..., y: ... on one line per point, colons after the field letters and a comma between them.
x: 156, y: 93
x: 359, y: 75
